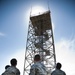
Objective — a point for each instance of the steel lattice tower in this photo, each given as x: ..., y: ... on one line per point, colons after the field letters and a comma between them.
x: 40, y: 41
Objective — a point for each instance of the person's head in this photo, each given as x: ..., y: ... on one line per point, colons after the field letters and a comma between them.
x: 13, y: 62
x: 7, y: 66
x: 37, y: 57
x: 58, y: 66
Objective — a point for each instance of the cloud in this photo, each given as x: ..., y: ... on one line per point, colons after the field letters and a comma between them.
x: 65, y: 53
x: 2, y: 34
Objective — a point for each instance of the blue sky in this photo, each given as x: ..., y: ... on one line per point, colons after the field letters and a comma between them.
x: 14, y: 17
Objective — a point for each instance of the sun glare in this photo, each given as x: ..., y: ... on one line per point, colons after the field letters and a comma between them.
x: 37, y: 10
x: 33, y: 11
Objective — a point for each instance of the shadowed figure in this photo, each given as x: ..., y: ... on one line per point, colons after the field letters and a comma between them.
x: 58, y: 70
x: 38, y: 67
x: 12, y: 70
x: 6, y: 67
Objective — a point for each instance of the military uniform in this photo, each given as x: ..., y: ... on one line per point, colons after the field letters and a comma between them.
x: 58, y: 72
x: 38, y: 68
x: 11, y: 71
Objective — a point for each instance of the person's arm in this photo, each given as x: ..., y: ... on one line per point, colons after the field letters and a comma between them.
x: 2, y: 74
x: 18, y: 72
x: 64, y: 73
x: 32, y: 70
x: 51, y: 73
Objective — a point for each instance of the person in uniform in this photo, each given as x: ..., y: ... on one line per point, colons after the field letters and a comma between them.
x: 38, y: 68
x: 58, y: 70
x: 12, y: 70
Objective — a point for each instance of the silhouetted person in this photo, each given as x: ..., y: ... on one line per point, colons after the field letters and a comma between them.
x: 6, y: 67
x: 12, y: 70
x: 58, y: 70
x: 38, y: 67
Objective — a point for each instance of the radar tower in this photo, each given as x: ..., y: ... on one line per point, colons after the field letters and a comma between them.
x: 40, y: 40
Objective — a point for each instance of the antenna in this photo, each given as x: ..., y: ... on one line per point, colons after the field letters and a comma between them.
x: 30, y: 11
x: 48, y: 5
